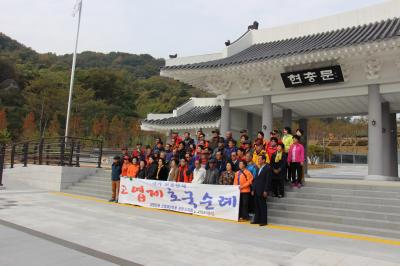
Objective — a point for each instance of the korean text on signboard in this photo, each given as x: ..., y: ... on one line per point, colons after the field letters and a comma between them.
x: 205, y: 200
x: 320, y: 76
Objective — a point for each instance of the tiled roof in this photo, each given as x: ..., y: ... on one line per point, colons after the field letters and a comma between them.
x: 333, y: 39
x: 197, y: 115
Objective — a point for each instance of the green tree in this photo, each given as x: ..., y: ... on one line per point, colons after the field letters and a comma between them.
x: 47, y: 95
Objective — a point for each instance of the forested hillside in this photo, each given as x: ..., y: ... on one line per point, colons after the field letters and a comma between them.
x: 112, y: 91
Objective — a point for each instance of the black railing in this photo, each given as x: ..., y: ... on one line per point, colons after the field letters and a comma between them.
x: 60, y: 151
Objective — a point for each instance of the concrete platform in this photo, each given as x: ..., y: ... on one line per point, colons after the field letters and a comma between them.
x: 342, y: 171
x: 152, y: 237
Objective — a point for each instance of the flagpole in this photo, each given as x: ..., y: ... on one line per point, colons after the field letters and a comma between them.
x: 71, y: 84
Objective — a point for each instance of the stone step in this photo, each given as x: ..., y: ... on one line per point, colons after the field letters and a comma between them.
x: 89, y: 185
x: 336, y: 219
x: 95, y: 182
x: 352, y: 186
x: 93, y: 191
x: 99, y: 177
x: 338, y: 204
x: 104, y: 173
x: 389, y: 217
x: 335, y: 227
x: 343, y: 198
x: 349, y: 192
x: 96, y: 194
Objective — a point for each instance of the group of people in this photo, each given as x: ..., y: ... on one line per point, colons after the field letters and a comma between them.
x: 260, y: 167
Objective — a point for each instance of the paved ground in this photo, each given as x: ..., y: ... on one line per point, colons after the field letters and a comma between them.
x: 19, y: 248
x: 342, y: 171
x: 43, y: 228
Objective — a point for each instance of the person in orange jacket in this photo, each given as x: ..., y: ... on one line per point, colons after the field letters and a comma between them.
x: 133, y: 169
x: 184, y: 174
x: 125, y: 166
x: 244, y: 179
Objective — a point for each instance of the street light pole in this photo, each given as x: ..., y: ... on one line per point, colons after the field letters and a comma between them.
x: 71, y: 84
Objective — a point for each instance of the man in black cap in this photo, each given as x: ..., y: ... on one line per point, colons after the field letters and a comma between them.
x: 244, y: 132
x: 220, y: 147
x: 212, y: 173
x: 247, y: 147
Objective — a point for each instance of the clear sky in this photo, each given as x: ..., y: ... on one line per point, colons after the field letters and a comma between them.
x: 157, y: 27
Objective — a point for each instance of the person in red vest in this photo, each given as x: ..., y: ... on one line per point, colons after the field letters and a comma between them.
x: 272, y: 146
x: 175, y: 140
x: 184, y: 174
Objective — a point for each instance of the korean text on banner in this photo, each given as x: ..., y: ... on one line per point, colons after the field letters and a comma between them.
x: 207, y: 200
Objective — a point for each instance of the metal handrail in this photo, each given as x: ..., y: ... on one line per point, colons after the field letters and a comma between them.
x: 70, y: 151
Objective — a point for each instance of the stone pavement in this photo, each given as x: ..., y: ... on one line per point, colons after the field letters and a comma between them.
x: 121, y: 233
x: 19, y: 248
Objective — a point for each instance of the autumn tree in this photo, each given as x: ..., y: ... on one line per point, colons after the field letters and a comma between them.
x: 54, y: 127
x: 118, y: 132
x: 4, y: 133
x: 29, y: 129
x: 3, y: 120
x: 76, y: 126
x: 100, y: 127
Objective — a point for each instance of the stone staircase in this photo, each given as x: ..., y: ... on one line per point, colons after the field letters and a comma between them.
x: 98, y: 185
x: 352, y: 207
x: 355, y: 208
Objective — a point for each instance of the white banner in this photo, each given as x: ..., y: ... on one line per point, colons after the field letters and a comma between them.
x: 207, y: 200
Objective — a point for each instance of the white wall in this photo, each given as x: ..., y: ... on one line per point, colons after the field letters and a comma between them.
x: 191, y: 59
x: 48, y: 177
x: 239, y: 122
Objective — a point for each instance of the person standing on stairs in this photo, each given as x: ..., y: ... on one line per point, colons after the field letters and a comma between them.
x: 261, y: 190
x: 296, y: 161
x: 116, y: 171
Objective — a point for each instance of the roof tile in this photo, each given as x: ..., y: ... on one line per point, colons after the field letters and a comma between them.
x: 198, y: 114
x: 386, y: 29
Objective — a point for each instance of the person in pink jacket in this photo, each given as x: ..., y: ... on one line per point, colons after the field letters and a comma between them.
x: 296, y: 161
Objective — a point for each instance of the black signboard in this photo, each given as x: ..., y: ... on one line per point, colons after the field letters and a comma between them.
x: 318, y: 76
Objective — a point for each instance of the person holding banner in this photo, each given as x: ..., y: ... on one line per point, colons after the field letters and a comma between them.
x: 133, y: 168
x: 260, y: 190
x: 142, y: 170
x: 125, y: 166
x: 244, y: 179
